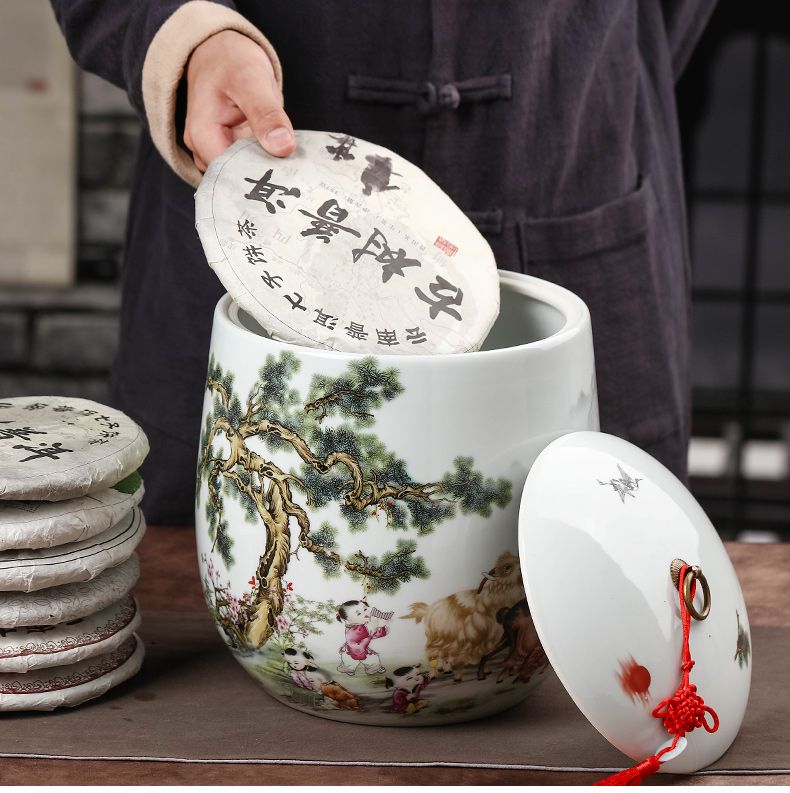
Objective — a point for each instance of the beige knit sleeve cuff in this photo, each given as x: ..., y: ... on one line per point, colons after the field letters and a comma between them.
x: 190, y: 25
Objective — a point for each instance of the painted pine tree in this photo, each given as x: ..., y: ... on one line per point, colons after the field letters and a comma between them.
x: 342, y: 461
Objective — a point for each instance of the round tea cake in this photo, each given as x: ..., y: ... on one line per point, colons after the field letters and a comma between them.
x: 73, y: 684
x: 42, y: 646
x: 53, y: 448
x: 29, y: 569
x: 43, y: 524
x: 69, y: 601
x: 348, y: 246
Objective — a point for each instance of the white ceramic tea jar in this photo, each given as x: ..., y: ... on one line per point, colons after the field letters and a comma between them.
x: 357, y: 516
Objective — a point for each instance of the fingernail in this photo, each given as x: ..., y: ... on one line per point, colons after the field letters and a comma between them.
x: 279, y: 137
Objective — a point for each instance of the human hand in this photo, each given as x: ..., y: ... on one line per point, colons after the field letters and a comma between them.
x: 232, y: 93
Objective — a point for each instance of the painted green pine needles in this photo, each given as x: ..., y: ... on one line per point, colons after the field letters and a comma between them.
x: 281, y: 454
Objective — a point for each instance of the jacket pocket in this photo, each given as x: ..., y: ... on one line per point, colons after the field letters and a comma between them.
x: 609, y: 227
x: 633, y: 280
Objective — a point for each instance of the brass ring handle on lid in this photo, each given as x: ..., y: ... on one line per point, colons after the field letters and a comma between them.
x: 692, y: 574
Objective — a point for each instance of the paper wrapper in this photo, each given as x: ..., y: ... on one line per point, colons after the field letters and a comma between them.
x: 67, y: 686
x: 69, y: 601
x: 54, y: 448
x: 30, y: 570
x: 42, y: 646
x: 347, y: 246
x: 44, y: 524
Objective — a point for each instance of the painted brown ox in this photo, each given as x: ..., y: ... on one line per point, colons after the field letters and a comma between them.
x: 525, y: 654
x: 462, y: 628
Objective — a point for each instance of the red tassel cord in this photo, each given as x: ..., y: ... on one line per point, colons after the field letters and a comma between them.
x: 681, y: 714
x: 633, y: 776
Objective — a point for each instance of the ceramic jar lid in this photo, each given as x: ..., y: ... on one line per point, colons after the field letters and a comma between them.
x: 28, y: 570
x: 348, y: 246
x: 600, y: 523
x: 69, y: 601
x: 67, y: 686
x: 53, y: 448
x: 40, y: 646
x: 43, y: 524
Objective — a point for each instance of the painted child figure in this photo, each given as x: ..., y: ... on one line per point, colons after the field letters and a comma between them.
x: 407, y: 684
x: 300, y: 663
x: 333, y: 692
x: 361, y: 629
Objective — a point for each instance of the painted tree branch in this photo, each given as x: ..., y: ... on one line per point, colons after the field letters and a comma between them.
x: 334, y: 398
x: 376, y: 572
x: 295, y: 511
x: 217, y: 502
x: 376, y: 493
x: 220, y: 389
x: 254, y: 407
x: 363, y: 492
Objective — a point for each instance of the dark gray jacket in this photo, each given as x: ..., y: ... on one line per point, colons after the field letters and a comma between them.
x: 552, y: 123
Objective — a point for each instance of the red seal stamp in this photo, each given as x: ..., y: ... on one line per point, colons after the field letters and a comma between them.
x: 445, y: 246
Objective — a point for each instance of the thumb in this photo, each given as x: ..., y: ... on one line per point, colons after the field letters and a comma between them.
x: 267, y: 119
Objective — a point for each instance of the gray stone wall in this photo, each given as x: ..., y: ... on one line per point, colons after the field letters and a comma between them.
x: 56, y: 341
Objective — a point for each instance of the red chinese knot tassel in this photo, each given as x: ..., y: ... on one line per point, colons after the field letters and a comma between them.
x: 633, y: 776
x: 681, y: 713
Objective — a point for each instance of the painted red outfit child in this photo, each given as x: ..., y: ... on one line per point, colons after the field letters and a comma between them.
x: 408, y: 683
x: 361, y: 629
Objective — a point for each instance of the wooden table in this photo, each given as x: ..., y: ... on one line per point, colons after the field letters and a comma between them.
x: 170, y: 583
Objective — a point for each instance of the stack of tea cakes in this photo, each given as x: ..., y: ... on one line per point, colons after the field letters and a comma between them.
x: 69, y: 525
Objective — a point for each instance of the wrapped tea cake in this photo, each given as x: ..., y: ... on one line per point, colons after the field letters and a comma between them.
x: 347, y: 246
x: 41, y: 646
x: 54, y: 448
x: 69, y: 526
x: 68, y: 602
x: 31, y: 569
x: 72, y: 684
x: 43, y: 524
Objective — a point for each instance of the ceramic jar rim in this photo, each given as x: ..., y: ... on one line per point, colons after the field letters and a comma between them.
x: 570, y: 306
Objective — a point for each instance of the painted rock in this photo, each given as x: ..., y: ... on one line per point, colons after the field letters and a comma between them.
x: 43, y: 524
x: 40, y: 646
x: 54, y: 448
x: 73, y: 684
x: 69, y: 601
x: 28, y: 570
x: 345, y: 245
